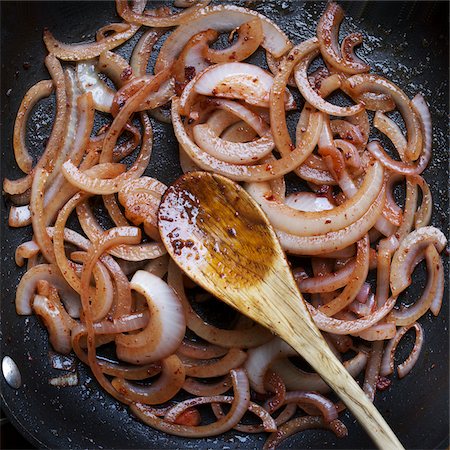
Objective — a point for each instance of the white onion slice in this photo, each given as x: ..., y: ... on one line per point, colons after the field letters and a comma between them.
x: 239, y: 81
x: 166, y: 326
x: 89, y: 81
x: 410, y: 253
x: 221, y: 18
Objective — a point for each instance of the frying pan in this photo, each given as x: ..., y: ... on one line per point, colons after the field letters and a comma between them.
x: 406, y: 41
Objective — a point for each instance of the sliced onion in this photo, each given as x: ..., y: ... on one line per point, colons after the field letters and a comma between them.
x: 25, y: 251
x: 356, y: 282
x: 335, y: 240
x: 27, y: 286
x: 328, y: 35
x: 338, y: 326
x: 89, y: 81
x: 250, y: 38
x: 238, y: 408
x: 37, y: 92
x: 300, y: 424
x: 371, y: 82
x: 209, y: 368
x: 387, y: 363
x: 325, y: 406
x: 285, y: 218
x: 151, y: 18
x: 311, y: 96
x: 259, y: 172
x: 192, y: 60
x: 410, y: 253
x: 19, y: 216
x: 260, y: 358
x: 57, y: 322
x: 297, y: 379
x: 142, y: 51
x: 252, y: 337
x: 432, y: 295
x: 239, y: 81
x: 166, y: 327
x: 220, y: 18
x: 307, y: 201
x: 78, y: 52
x: 163, y: 389
x: 196, y: 387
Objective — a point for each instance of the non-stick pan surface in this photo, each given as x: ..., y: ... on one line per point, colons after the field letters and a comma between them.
x: 406, y: 41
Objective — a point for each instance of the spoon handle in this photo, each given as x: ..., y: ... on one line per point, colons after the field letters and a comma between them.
x: 307, y: 340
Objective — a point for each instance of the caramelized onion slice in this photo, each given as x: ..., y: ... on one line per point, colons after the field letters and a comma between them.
x: 220, y: 18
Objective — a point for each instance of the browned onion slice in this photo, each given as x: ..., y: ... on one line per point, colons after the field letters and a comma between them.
x: 220, y: 18
x: 328, y: 34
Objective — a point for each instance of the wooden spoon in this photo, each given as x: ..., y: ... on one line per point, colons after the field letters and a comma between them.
x: 219, y: 236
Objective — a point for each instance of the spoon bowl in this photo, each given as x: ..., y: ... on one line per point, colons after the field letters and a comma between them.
x: 219, y: 236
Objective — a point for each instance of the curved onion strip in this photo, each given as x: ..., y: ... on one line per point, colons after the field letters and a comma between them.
x: 19, y: 186
x: 108, y: 239
x: 27, y: 286
x: 410, y: 253
x: 196, y: 387
x: 153, y: 19
x: 89, y: 81
x: 297, y: 379
x: 268, y: 425
x: 328, y: 34
x: 60, y: 191
x: 192, y: 58
x: 387, y: 363
x: 19, y: 216
x: 259, y: 172
x: 114, y: 211
x: 338, y: 326
x: 142, y: 51
x: 378, y: 332
x: 306, y: 223
x: 373, y: 369
x: 137, y: 252
x: 195, y: 350
x: 311, y: 96
x: 423, y: 215
x: 88, y: 183
x: 37, y: 92
x: 57, y: 322
x: 209, y: 368
x: 238, y: 408
x: 253, y: 336
x: 163, y: 389
x: 260, y: 358
x: 166, y: 327
x: 386, y: 248
x: 329, y: 282
x: 238, y: 80
x: 220, y: 18
x: 103, y: 300
x: 371, y: 82
x: 25, y: 251
x: 388, y: 127
x: 325, y: 406
x: 124, y: 115
x: 433, y: 293
x: 300, y: 424
x: 335, y: 240
x: 356, y: 282
x: 78, y: 52
x: 250, y: 38
x: 232, y: 152
x: 37, y: 214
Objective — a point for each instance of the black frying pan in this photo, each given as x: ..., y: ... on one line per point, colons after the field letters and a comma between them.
x: 408, y: 43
